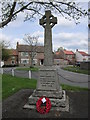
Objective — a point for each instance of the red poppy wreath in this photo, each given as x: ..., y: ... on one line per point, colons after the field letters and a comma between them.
x: 43, y: 105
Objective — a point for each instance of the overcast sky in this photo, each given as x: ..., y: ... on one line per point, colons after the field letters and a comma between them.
x: 64, y: 34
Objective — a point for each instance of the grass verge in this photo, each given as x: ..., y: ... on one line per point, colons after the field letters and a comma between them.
x: 27, y: 69
x: 76, y: 69
x: 73, y: 88
x: 11, y: 85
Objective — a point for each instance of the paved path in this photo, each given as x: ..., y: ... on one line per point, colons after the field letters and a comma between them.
x: 12, y: 107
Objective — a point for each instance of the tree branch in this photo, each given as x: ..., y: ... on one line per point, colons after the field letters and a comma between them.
x: 10, y: 16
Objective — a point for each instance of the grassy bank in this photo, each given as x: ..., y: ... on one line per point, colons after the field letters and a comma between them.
x: 76, y: 69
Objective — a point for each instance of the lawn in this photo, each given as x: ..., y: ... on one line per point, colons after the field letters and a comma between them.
x: 76, y: 69
x: 11, y: 85
x: 28, y: 68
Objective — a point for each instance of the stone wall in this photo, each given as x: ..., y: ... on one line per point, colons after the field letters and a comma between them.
x: 85, y: 65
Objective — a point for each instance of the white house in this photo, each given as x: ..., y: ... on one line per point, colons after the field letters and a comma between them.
x: 82, y: 56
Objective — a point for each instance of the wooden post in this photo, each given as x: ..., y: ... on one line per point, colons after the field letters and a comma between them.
x: 29, y: 74
x: 1, y: 70
x: 12, y: 72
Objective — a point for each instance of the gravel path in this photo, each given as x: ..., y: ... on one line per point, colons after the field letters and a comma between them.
x: 13, y: 106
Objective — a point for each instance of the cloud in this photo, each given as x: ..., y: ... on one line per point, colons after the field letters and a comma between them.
x: 64, y: 22
x: 4, y: 37
x: 13, y: 41
x: 70, y: 41
x: 18, y: 22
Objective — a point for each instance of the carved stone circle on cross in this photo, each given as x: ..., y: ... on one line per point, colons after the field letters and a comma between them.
x: 48, y: 20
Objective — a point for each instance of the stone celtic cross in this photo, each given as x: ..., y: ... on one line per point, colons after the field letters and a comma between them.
x: 48, y: 21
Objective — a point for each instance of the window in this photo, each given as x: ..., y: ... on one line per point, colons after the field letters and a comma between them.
x: 24, y: 53
x: 13, y: 62
x: 24, y: 61
x: 34, y: 61
x: 13, y: 57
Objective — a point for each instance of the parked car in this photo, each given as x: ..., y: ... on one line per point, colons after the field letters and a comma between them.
x: 77, y: 64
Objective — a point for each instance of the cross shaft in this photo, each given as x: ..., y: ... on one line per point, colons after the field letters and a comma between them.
x: 48, y: 21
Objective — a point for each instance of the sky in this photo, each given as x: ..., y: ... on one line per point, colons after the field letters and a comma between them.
x: 65, y: 33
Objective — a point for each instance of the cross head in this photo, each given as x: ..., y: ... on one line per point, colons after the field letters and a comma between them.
x: 48, y: 20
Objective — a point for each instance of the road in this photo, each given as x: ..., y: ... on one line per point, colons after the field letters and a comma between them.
x: 65, y: 77
x: 74, y: 79
x: 70, y: 78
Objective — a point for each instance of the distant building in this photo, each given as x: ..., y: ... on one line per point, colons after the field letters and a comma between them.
x: 58, y: 60
x: 68, y: 55
x: 82, y: 56
x: 24, y: 57
x: 13, y: 59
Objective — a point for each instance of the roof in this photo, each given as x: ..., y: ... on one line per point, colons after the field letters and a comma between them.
x: 83, y: 53
x: 27, y: 48
x: 67, y: 52
x: 57, y: 55
x: 12, y: 52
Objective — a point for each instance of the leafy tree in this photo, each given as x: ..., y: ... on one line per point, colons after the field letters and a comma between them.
x: 5, y: 53
x: 67, y: 9
x: 32, y: 41
x: 60, y: 48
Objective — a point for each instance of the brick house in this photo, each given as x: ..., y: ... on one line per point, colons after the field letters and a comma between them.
x: 13, y: 59
x: 24, y: 57
x: 58, y: 60
x: 68, y: 55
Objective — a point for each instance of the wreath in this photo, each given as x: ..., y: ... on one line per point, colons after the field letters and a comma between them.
x: 43, y: 105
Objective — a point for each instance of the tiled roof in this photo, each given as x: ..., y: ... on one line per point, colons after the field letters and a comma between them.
x: 67, y: 52
x: 57, y: 55
x: 83, y: 53
x: 27, y: 48
x: 12, y: 52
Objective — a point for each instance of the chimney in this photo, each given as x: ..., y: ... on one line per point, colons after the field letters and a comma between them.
x: 17, y: 44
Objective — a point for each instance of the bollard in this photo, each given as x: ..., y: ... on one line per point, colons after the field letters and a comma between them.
x: 2, y: 71
x: 29, y: 74
x: 12, y: 72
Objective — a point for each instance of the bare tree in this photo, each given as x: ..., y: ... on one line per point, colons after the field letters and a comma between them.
x: 32, y: 41
x: 67, y: 9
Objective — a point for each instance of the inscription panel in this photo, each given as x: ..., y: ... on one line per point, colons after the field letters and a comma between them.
x: 47, y: 80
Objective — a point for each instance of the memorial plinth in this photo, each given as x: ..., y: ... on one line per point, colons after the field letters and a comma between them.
x: 48, y: 84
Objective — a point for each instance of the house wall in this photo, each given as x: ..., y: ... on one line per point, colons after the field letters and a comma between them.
x: 85, y: 65
x: 13, y: 60
x: 80, y: 58
x: 67, y: 57
x: 22, y: 58
x: 60, y: 62
x: 36, y: 61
